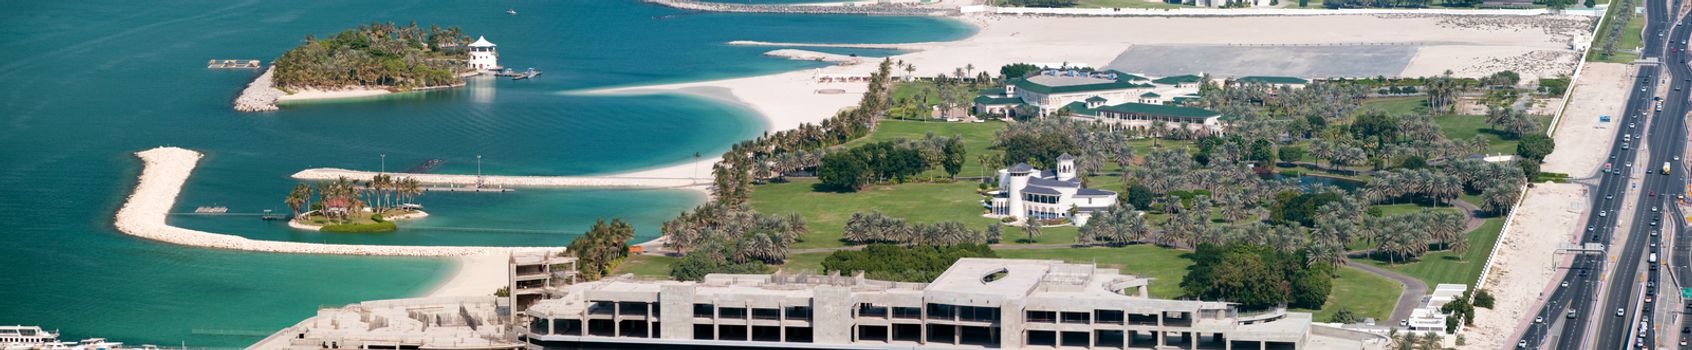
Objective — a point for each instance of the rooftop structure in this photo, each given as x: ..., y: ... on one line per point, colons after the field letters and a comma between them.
x: 976, y: 303
x: 483, y: 57
x: 1428, y: 317
x: 531, y: 275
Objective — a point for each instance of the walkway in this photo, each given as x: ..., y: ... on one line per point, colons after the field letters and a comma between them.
x: 1409, y: 299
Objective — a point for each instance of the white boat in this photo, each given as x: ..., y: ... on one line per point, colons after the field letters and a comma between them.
x: 26, y: 337
x: 96, y: 344
x: 511, y: 11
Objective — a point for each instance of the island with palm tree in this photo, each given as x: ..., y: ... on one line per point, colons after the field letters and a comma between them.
x: 370, y: 60
x: 345, y: 205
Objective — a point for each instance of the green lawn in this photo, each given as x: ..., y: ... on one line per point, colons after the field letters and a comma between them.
x: 825, y: 213
x: 645, y: 265
x: 1164, y: 266
x: 1445, y: 266
x: 977, y: 137
x: 1365, y: 294
x: 1459, y: 128
x: 805, y: 261
x: 1630, y: 38
x: 1407, y: 208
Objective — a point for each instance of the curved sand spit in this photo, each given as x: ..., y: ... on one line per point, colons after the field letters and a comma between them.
x: 166, y: 170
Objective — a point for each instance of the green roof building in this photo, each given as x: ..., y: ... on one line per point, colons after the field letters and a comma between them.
x: 1273, y: 80
x: 1179, y: 80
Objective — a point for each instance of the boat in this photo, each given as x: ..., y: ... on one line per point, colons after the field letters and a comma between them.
x: 531, y: 73
x: 511, y: 11
x: 26, y: 337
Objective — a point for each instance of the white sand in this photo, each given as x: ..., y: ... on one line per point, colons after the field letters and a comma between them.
x: 317, y: 94
x: 1523, y: 271
x: 808, y: 55
x: 1581, y: 140
x: 473, y: 275
x: 167, y: 169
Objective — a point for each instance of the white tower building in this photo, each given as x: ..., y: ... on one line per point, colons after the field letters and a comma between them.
x: 1065, y: 167
x: 1018, y: 180
x: 482, y: 55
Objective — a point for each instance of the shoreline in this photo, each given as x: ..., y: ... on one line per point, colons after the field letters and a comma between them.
x: 296, y: 224
x: 471, y: 275
x: 166, y: 169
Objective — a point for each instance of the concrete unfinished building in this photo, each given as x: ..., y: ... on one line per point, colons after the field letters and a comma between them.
x: 976, y: 303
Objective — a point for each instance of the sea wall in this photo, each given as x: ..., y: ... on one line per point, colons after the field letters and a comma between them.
x: 326, y: 174
x: 260, y: 95
x: 851, y: 9
x: 166, y: 169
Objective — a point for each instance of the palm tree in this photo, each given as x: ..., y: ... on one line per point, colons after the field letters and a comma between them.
x: 298, y: 197
x: 1031, y: 229
x: 909, y: 68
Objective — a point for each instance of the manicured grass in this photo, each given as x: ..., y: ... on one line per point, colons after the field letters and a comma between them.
x: 825, y: 213
x: 1164, y: 266
x: 1446, y: 266
x: 1630, y: 38
x: 976, y: 136
x: 916, y: 99
x: 1407, y: 208
x: 1367, y: 295
x: 1458, y: 128
x: 806, y: 261
x: 645, y: 265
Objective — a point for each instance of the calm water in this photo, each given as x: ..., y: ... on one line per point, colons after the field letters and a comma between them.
x: 87, y: 83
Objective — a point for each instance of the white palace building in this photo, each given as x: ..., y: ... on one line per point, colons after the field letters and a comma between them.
x: 1027, y: 193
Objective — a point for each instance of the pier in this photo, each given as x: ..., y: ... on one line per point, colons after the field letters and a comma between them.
x: 883, y: 9
x: 234, y: 64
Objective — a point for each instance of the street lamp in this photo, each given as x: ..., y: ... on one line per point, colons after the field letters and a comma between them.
x: 384, y: 163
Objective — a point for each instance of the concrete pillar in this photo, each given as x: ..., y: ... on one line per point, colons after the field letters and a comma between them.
x: 1192, y: 340
x: 1161, y: 338
x: 831, y: 315
x: 678, y: 322
x: 616, y: 324
x: 648, y: 320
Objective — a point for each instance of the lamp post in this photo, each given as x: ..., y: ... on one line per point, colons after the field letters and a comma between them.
x: 384, y: 163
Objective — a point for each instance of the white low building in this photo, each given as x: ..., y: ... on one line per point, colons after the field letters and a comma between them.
x: 1028, y: 193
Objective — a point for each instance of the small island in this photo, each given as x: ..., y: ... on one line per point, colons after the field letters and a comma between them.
x: 370, y: 60
x: 351, y: 206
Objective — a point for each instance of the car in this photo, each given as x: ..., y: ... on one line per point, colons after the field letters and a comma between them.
x: 1682, y: 341
x: 1680, y: 196
x: 1608, y: 196
x: 1624, y: 146
x: 1565, y: 283
x: 1589, y: 228
x: 1603, y: 213
x: 1521, y: 344
x: 1653, y: 224
x: 1630, y: 125
x: 1620, y: 313
x: 1538, y: 319
x: 1653, y: 209
x: 1676, y: 158
x: 1653, y: 232
x: 1684, y: 330
x: 1612, y: 156
x: 1583, y: 274
x: 1648, y: 299
x: 1404, y: 323
x: 1653, y: 194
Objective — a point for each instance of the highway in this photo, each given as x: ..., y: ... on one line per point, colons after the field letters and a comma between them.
x: 1562, y: 322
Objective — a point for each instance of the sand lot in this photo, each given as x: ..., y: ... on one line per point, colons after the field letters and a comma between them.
x: 1523, y: 269
x: 1581, y: 140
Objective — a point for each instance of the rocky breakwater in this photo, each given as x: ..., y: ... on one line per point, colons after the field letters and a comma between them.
x: 840, y: 8
x: 260, y: 95
x: 807, y: 55
x: 608, y: 181
x: 166, y: 169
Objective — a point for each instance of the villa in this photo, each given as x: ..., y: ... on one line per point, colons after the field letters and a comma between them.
x: 975, y: 304
x: 1141, y: 115
x: 1027, y: 193
x: 483, y: 57
x: 1052, y: 89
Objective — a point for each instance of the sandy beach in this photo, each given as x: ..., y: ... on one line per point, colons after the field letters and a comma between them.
x: 166, y: 169
x: 316, y: 94
x: 473, y: 275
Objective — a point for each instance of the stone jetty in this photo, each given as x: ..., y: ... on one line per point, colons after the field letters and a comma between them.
x: 260, y: 95
x: 852, y: 9
x: 166, y: 169
x: 611, y: 181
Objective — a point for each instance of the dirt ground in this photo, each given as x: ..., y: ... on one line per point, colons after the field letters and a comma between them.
x: 1581, y: 138
x: 1523, y: 270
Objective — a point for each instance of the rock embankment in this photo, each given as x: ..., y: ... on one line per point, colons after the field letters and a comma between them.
x: 260, y: 95
x: 852, y: 9
x: 613, y: 181
x: 166, y: 169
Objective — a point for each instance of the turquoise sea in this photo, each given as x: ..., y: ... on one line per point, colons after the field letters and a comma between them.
x: 84, y: 84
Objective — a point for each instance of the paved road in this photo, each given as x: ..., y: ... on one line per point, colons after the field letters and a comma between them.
x: 1414, y: 290
x: 1575, y: 303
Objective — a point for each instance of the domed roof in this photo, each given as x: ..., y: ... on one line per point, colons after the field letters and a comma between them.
x: 481, y: 42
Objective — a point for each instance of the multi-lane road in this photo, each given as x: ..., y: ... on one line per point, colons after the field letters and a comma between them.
x: 1615, y: 305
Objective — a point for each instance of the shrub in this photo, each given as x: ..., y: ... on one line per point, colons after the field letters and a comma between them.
x: 1483, y: 299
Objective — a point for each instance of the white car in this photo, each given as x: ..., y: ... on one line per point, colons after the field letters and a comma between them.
x: 1603, y: 213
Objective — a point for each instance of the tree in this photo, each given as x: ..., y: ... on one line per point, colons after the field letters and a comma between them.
x: 1483, y: 299
x: 844, y: 171
x: 1017, y: 70
x: 599, y: 250
x: 1291, y: 154
x: 1344, y: 315
x: 1261, y: 152
x: 1138, y: 196
x: 954, y: 156
x: 1535, y: 146
x: 1031, y: 229
x: 888, y: 262
x: 298, y: 197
